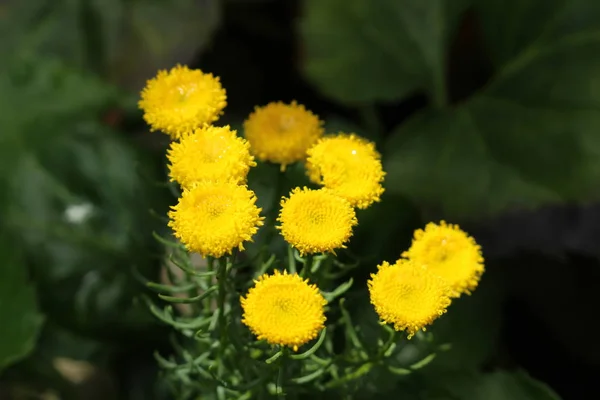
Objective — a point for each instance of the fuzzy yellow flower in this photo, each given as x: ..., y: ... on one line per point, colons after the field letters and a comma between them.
x: 281, y: 133
x: 408, y: 296
x: 214, y: 218
x: 348, y: 165
x: 315, y: 221
x: 181, y: 100
x: 284, y: 310
x: 450, y: 253
x: 211, y: 153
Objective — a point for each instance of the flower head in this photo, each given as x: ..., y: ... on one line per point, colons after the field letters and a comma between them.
x: 315, y: 221
x: 214, y: 218
x: 408, y: 296
x: 211, y: 153
x: 182, y: 99
x: 281, y: 133
x: 450, y: 253
x: 284, y: 310
x: 348, y: 165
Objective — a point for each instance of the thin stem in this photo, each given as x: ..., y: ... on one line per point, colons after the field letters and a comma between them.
x: 281, y: 374
x: 222, y: 287
x: 274, y: 211
x: 210, y: 266
x: 308, y: 262
x: 224, y: 263
x: 291, y: 260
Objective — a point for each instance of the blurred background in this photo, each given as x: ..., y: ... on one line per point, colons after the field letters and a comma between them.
x: 487, y: 113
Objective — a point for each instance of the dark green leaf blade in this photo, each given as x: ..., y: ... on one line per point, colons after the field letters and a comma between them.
x: 362, y: 51
x: 19, y: 314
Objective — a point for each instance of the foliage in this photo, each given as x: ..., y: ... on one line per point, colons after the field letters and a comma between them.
x: 479, y: 107
x: 498, y: 148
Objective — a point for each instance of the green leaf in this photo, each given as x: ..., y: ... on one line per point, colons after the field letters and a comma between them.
x: 124, y: 41
x: 523, y: 138
x: 21, y: 320
x: 472, y: 326
x: 77, y: 196
x: 359, y: 51
x: 501, y: 385
x: 513, y: 26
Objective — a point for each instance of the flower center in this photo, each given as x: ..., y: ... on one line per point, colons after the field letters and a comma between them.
x: 286, y: 122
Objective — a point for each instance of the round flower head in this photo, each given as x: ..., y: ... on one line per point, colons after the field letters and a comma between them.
x: 214, y: 218
x: 210, y: 154
x: 315, y: 221
x: 281, y: 133
x: 408, y: 296
x: 348, y: 165
x: 284, y: 310
x: 450, y: 253
x: 182, y: 99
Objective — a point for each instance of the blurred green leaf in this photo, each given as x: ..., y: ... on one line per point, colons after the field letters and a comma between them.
x: 523, y: 139
x: 21, y: 320
x: 500, y: 385
x: 126, y: 41
x: 472, y: 326
x: 359, y: 51
x: 77, y: 196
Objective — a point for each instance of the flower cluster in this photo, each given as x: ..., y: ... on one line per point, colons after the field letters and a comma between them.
x: 217, y: 213
x: 442, y: 263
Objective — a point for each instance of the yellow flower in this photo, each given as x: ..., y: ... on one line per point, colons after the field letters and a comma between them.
x: 348, y: 165
x: 284, y: 310
x: 450, y: 253
x: 281, y: 133
x: 214, y: 218
x: 182, y: 99
x: 315, y: 221
x: 210, y: 154
x: 408, y: 296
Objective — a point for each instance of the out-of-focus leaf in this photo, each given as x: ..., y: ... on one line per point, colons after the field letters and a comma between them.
x: 472, y: 325
x: 125, y: 41
x: 530, y: 137
x: 77, y: 197
x: 19, y: 314
x: 362, y: 51
x: 146, y: 35
x: 501, y: 385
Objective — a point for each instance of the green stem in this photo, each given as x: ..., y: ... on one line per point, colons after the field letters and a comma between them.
x: 271, y: 219
x: 222, y: 287
x: 308, y: 262
x: 291, y: 260
x: 440, y: 95
x: 210, y: 266
x: 224, y: 263
x: 281, y: 374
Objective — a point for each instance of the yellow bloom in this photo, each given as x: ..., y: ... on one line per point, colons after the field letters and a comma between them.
x: 348, y: 165
x: 450, y: 253
x: 315, y: 221
x: 284, y: 310
x: 210, y: 154
x: 214, y: 218
x: 281, y: 133
x: 408, y: 296
x: 182, y: 99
